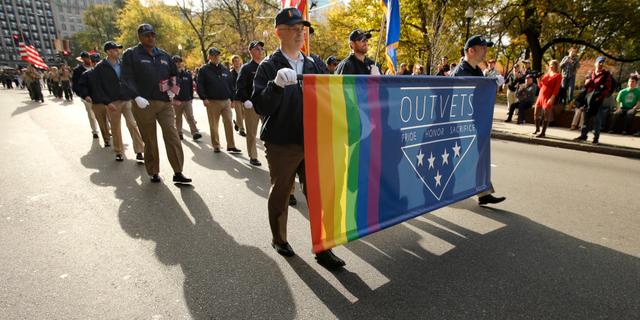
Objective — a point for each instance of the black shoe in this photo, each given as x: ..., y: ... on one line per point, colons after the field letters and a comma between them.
x: 216, y: 150
x: 242, y: 133
x: 155, y: 178
x: 197, y: 136
x: 119, y: 157
x: 255, y: 162
x: 329, y: 260
x: 234, y: 150
x: 180, y: 178
x: 95, y: 136
x: 292, y: 200
x: 595, y: 141
x: 508, y: 120
x: 490, y: 199
x: 181, y: 137
x: 580, y: 138
x: 139, y: 156
x: 235, y: 126
x: 107, y: 145
x: 283, y: 249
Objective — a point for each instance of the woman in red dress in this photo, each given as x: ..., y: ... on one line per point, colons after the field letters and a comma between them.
x: 549, y: 88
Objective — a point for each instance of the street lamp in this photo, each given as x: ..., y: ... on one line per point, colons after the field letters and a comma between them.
x: 468, y: 14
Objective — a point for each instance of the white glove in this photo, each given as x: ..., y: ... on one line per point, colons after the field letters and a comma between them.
x: 248, y: 104
x: 375, y: 71
x: 141, y: 102
x: 286, y: 77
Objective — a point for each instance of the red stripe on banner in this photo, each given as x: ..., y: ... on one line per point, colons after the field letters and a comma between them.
x: 312, y: 171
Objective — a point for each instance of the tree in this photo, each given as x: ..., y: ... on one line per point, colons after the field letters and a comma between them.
x: 100, y: 27
x: 602, y: 26
x: 170, y: 32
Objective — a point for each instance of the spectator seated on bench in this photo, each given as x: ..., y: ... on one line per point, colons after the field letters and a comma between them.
x: 628, y: 104
x: 525, y: 97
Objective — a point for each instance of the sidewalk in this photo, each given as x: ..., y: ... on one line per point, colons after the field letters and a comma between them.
x: 612, y: 144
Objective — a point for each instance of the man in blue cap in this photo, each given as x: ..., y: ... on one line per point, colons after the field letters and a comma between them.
x: 475, y: 50
x: 357, y: 62
x: 147, y: 74
x: 109, y: 95
x: 85, y: 65
x: 277, y: 96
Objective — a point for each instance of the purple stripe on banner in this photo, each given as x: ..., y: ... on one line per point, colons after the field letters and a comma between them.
x: 375, y: 155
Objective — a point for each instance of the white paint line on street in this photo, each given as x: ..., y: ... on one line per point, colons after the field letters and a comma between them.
x: 439, y: 226
x: 127, y: 277
x: 64, y: 276
x: 429, y: 242
x: 472, y: 221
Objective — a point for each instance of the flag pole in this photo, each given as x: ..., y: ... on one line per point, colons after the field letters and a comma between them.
x: 382, y: 24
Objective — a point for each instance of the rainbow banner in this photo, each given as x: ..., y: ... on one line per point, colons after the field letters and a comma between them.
x: 380, y: 150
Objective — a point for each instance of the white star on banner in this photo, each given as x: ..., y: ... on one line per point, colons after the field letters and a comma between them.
x: 456, y: 150
x: 438, y: 177
x: 431, y: 160
x: 420, y: 157
x: 445, y: 157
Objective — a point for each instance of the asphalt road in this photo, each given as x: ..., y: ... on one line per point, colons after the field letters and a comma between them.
x: 85, y: 237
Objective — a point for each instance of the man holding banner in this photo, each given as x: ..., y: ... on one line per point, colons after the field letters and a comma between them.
x: 475, y: 50
x: 277, y: 96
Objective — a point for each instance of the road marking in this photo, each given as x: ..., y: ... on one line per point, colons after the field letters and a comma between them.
x: 64, y: 276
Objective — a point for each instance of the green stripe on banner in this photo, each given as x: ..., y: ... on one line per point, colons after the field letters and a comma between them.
x: 353, y: 123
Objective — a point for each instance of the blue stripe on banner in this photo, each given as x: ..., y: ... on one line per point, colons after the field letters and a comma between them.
x: 365, y: 153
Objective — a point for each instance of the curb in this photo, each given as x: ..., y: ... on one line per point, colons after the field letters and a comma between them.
x: 565, y: 144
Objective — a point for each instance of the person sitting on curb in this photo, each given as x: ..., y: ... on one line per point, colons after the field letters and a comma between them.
x: 628, y: 103
x: 525, y: 97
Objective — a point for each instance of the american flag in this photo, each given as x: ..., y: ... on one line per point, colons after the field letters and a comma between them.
x: 28, y: 52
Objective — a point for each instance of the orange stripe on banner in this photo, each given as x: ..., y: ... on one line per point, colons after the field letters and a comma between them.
x: 325, y: 158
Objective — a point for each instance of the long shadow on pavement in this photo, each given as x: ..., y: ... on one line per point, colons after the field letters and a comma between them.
x: 223, y: 279
x: 523, y: 270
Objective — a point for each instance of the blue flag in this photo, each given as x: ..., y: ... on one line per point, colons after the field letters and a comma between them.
x: 391, y: 9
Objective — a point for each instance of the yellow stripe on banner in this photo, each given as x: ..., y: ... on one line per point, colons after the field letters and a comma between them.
x: 325, y: 158
x: 340, y: 136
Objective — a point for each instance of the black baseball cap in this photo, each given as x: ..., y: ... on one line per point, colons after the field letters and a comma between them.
x: 255, y: 43
x: 111, y: 45
x: 84, y: 54
x: 477, y: 40
x: 290, y: 16
x: 332, y: 59
x: 213, y: 51
x: 145, y: 28
x: 358, y: 34
x: 95, y: 57
x: 176, y: 58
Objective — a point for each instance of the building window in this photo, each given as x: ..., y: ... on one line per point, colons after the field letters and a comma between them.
x: 64, y: 27
x: 73, y: 28
x: 61, y: 17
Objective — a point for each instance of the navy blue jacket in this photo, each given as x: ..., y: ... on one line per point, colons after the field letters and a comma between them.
x: 464, y: 69
x: 185, y: 81
x: 75, y: 79
x: 244, y: 84
x: 281, y: 107
x: 215, y: 82
x: 142, y: 72
x: 104, y: 85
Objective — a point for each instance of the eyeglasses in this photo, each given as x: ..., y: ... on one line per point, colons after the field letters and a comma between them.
x: 294, y: 29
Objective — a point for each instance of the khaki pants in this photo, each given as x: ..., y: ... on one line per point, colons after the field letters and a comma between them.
x: 251, y: 120
x: 240, y: 115
x: 511, y: 98
x: 578, y: 118
x: 186, y: 108
x: 216, y: 109
x: 123, y: 108
x: 100, y: 113
x: 162, y: 112
x: 285, y: 160
x: 91, y: 116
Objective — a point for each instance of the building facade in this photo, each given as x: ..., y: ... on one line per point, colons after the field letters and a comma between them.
x: 67, y: 15
x: 34, y: 18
